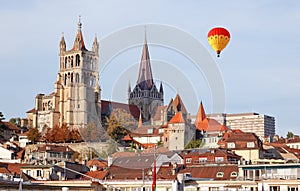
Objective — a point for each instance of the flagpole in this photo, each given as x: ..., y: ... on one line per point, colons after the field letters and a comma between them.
x: 154, y: 171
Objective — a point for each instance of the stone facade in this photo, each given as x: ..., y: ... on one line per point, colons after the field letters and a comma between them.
x: 76, y: 99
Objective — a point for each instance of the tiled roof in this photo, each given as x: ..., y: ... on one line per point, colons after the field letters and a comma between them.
x: 211, y: 172
x: 210, y: 125
x: 31, y: 111
x: 11, y: 126
x: 165, y: 172
x: 201, y: 114
x: 13, y: 168
x: 100, y: 163
x: 139, y: 161
x: 108, y: 106
x: 179, y: 104
x: 240, y: 139
x: 55, y: 148
x: 4, y: 170
x: 177, y: 118
x: 96, y: 174
x: 121, y: 173
x: 127, y: 138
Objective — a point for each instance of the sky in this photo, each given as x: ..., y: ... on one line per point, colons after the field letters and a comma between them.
x: 259, y: 69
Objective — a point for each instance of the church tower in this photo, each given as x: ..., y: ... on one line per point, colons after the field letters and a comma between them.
x: 78, y: 76
x: 145, y: 94
x: 76, y: 99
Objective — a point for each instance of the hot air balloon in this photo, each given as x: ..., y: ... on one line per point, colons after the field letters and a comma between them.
x: 218, y: 38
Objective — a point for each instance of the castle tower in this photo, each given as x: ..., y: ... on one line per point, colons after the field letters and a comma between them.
x: 145, y: 94
x: 76, y: 99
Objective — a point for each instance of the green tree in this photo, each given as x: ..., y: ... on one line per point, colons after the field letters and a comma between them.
x: 1, y: 118
x: 16, y: 121
x: 114, y: 129
x: 34, y: 135
x: 289, y: 135
x: 193, y: 144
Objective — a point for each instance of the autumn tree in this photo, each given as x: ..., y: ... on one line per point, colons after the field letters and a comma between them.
x: 114, y: 129
x: 61, y: 134
x: 34, y: 135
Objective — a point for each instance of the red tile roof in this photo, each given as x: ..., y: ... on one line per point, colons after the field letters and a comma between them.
x: 177, y: 118
x: 210, y: 125
x: 96, y: 174
x: 11, y: 126
x: 4, y: 170
x: 211, y: 172
x: 55, y: 148
x: 100, y: 163
x: 179, y: 104
x: 121, y: 173
x: 240, y: 139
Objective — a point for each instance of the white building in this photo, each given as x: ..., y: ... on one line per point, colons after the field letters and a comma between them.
x: 260, y: 124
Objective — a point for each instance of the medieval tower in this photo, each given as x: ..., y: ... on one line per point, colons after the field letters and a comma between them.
x: 76, y: 99
x: 145, y: 94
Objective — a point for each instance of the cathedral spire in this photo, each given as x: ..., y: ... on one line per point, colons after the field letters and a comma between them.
x: 79, y: 42
x: 145, y: 79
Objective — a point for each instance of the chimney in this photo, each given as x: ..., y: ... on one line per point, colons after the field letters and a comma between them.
x: 109, y: 161
x: 174, y: 168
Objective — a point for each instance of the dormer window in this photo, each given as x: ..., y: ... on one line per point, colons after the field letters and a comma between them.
x: 220, y: 175
x: 188, y: 160
x: 202, y: 159
x: 250, y: 145
x: 233, y: 174
x: 230, y: 145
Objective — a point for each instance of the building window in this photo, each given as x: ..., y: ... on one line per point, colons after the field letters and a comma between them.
x: 292, y: 188
x: 202, y: 159
x: 219, y: 159
x: 233, y: 174
x: 220, y: 175
x: 188, y: 160
x: 250, y: 144
x: 38, y: 173
x: 213, y: 189
x: 230, y: 145
x: 274, y: 188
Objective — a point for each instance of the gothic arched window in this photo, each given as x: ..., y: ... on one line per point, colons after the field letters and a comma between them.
x: 77, y: 60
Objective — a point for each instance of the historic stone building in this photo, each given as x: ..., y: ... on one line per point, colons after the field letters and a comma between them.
x: 76, y: 99
x: 145, y: 94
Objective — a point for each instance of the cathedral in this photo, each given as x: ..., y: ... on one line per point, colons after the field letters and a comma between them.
x: 145, y: 94
x: 76, y: 99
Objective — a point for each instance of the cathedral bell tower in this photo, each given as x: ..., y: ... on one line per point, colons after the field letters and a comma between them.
x: 145, y: 94
x: 77, y: 83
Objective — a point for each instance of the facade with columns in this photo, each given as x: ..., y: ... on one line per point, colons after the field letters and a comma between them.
x: 76, y: 99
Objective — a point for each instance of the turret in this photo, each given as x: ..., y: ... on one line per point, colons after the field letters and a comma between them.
x: 62, y: 44
x: 95, y: 46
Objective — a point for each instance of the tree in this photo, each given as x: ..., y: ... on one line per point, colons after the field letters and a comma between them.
x: 114, y: 129
x: 34, y: 135
x: 61, y: 134
x: 16, y: 121
x: 1, y: 118
x: 92, y: 132
x: 193, y: 144
x: 290, y: 135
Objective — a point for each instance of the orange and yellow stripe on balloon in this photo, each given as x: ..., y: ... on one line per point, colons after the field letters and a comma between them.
x: 218, y: 38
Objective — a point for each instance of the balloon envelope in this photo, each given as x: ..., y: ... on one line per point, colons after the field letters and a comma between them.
x: 218, y: 38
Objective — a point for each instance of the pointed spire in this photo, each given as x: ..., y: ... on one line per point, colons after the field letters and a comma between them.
x: 145, y: 79
x: 79, y: 42
x: 161, y: 89
x: 95, y: 45
x: 129, y: 87
x: 62, y: 44
x: 201, y: 114
x: 179, y: 104
x: 140, y: 124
